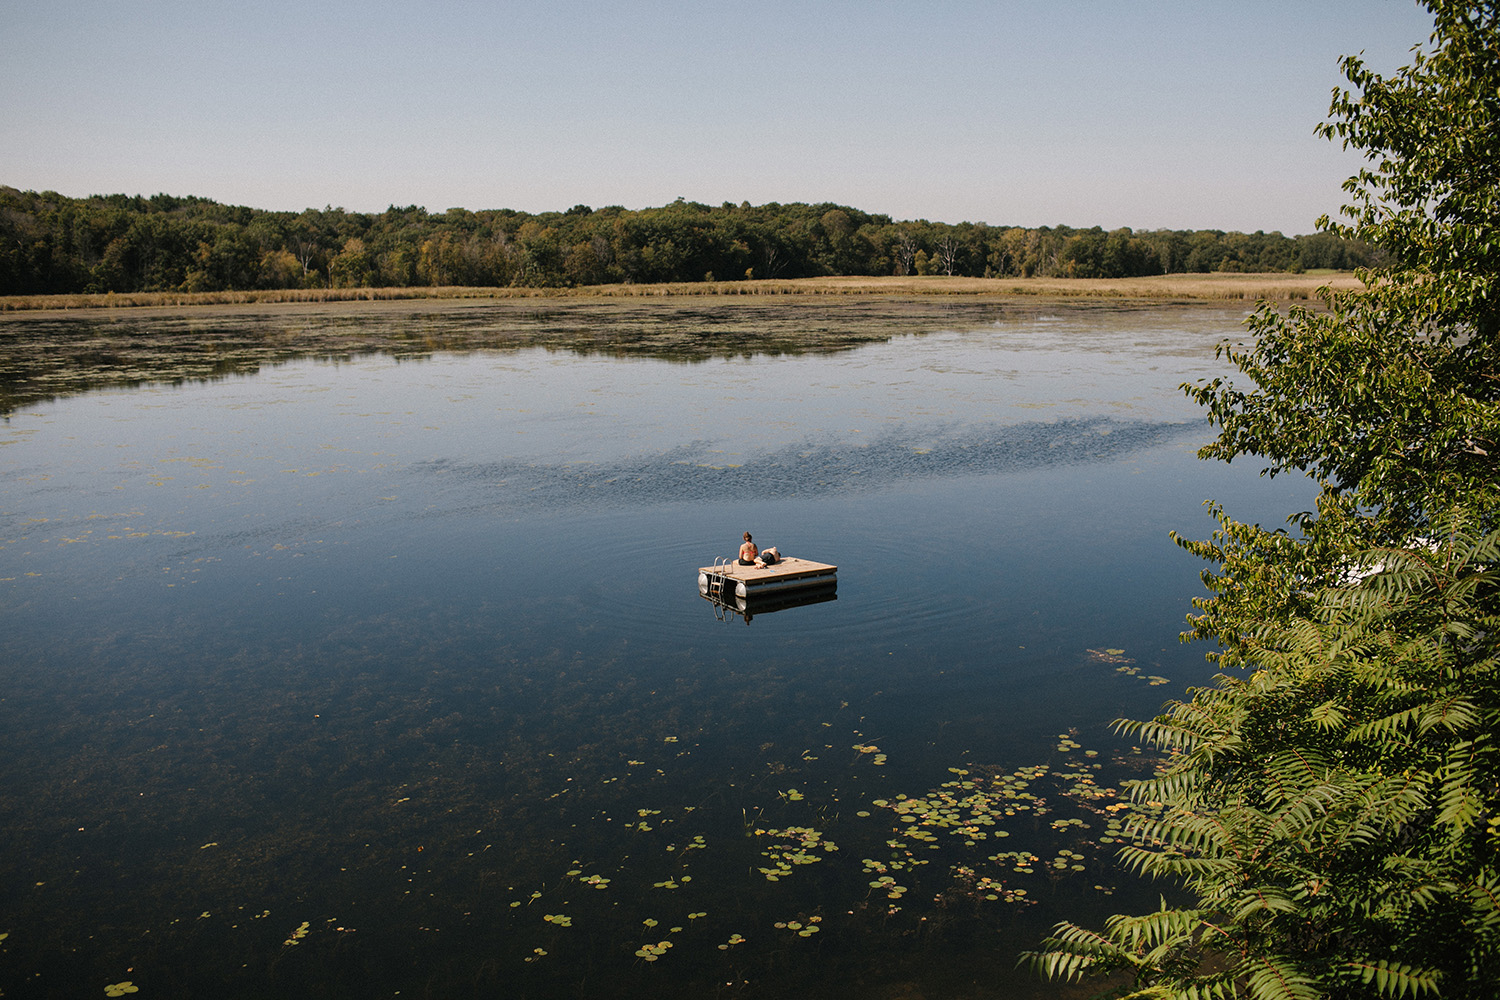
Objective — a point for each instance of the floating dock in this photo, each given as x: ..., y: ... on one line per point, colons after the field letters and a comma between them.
x: 730, y: 579
x: 749, y: 607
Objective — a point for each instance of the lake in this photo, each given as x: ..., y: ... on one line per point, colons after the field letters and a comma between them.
x: 358, y: 651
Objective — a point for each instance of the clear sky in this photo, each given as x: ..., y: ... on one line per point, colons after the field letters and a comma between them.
x: 1181, y: 114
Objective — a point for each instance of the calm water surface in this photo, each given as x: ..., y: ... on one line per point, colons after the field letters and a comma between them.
x: 384, y: 672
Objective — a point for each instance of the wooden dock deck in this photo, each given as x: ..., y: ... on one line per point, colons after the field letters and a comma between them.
x: 732, y: 579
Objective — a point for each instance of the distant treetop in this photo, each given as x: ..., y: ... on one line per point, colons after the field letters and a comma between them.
x: 121, y: 243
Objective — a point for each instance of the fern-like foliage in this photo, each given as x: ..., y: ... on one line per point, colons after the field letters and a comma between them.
x: 1336, y: 812
x: 1333, y: 800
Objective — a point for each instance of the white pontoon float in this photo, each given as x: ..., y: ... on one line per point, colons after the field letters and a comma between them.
x: 727, y: 578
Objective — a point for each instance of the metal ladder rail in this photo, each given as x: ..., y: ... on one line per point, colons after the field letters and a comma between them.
x: 721, y: 575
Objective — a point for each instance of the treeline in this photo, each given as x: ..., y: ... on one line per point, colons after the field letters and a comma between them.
x: 116, y: 243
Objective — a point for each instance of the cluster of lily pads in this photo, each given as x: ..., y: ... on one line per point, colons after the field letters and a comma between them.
x: 696, y: 844
x: 651, y: 952
x: 801, y: 929
x: 1154, y: 680
x: 966, y: 807
x: 1022, y: 861
x: 592, y: 881
x: 1118, y: 656
x: 792, y: 846
x: 888, y: 885
x: 991, y: 889
x: 974, y: 805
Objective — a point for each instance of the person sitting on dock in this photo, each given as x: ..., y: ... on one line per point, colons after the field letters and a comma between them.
x: 752, y: 556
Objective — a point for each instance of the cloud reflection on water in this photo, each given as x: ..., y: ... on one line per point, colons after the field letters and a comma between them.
x: 698, y: 471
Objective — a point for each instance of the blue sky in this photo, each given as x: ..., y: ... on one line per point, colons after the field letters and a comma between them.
x: 1080, y: 112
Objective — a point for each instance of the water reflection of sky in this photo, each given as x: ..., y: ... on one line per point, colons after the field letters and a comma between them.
x: 270, y: 612
x: 554, y: 404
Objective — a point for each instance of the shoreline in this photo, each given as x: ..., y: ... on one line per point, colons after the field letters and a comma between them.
x: 1216, y: 287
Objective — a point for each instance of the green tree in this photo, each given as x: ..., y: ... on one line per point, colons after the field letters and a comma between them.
x: 587, y: 261
x: 1333, y: 801
x: 53, y: 244
x: 351, y: 267
x: 279, y: 269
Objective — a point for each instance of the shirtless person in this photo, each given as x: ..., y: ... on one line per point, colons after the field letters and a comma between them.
x: 751, y: 556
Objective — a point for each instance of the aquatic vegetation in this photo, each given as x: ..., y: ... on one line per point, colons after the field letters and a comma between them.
x: 120, y: 989
x: 697, y: 844
x: 799, y: 928
x: 966, y: 807
x: 651, y: 952
x: 734, y: 939
x: 1152, y: 679
x: 970, y: 806
x: 558, y: 919
x: 1022, y: 861
x: 297, y: 935
x: 968, y: 883
x: 1118, y: 656
x: 792, y: 846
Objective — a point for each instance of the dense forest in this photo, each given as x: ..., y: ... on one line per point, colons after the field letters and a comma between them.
x: 117, y: 243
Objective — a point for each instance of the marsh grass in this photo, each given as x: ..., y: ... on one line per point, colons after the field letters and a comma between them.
x: 1206, y: 287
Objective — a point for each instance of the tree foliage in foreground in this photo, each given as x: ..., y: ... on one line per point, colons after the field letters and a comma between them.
x: 1332, y: 803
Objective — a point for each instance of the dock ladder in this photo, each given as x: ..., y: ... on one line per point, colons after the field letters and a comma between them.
x: 719, y: 578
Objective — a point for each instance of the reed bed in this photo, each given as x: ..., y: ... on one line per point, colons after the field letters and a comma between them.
x: 1206, y: 287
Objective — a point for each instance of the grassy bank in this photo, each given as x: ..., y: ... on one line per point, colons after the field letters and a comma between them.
x: 1207, y: 287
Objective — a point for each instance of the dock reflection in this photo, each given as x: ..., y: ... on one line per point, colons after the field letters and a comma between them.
x: 729, y: 607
